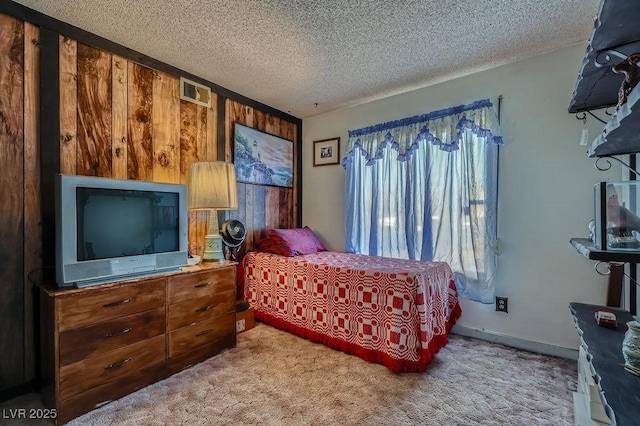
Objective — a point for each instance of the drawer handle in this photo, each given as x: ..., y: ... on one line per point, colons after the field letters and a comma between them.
x: 118, y: 303
x: 205, y: 308
x: 203, y: 284
x: 117, y: 333
x: 202, y: 333
x: 117, y: 364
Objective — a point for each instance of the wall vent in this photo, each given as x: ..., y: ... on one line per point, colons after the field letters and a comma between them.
x: 194, y: 92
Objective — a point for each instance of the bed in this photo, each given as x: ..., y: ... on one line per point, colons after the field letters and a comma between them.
x: 390, y: 311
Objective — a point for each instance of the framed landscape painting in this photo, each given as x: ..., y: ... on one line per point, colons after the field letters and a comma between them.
x: 261, y: 158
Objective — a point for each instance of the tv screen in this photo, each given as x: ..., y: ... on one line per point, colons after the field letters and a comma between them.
x: 108, y: 230
x: 116, y: 222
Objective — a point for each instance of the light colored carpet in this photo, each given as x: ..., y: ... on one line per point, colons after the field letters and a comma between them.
x: 275, y: 378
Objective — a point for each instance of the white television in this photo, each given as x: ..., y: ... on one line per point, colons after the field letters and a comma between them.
x: 111, y: 230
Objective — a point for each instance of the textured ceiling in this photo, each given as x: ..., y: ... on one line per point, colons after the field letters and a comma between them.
x: 294, y: 54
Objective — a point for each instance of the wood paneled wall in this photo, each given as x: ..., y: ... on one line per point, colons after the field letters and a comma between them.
x: 122, y: 120
x: 117, y: 118
x: 20, y: 241
x: 261, y: 207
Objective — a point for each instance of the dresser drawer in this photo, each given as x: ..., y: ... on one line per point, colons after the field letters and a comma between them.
x: 79, y: 343
x: 192, y: 336
x: 99, y: 369
x: 99, y: 305
x: 200, y: 309
x: 200, y: 284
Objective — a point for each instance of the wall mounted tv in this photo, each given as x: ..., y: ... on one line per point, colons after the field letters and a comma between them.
x: 110, y: 230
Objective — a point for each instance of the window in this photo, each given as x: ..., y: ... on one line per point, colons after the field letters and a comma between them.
x: 425, y: 188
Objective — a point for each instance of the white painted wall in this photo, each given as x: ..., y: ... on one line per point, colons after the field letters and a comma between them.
x: 546, y: 190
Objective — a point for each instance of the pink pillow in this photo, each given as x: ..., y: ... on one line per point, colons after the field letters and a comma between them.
x: 290, y: 242
x: 275, y: 246
x: 303, y: 240
x: 312, y: 236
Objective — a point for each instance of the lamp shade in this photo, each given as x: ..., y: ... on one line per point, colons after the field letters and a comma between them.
x: 212, y: 185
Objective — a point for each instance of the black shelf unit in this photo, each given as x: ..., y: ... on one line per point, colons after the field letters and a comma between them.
x: 619, y: 390
x: 621, y: 134
x: 585, y: 247
x: 588, y: 250
x: 615, y: 32
x: 615, y: 35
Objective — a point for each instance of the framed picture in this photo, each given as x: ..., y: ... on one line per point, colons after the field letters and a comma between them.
x: 326, y: 152
x: 261, y: 158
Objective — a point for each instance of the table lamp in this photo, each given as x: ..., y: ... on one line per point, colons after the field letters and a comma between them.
x: 212, y: 186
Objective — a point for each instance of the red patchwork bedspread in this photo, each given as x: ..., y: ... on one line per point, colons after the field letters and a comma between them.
x: 391, y: 311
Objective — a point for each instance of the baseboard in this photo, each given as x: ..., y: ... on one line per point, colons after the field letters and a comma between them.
x: 515, y: 342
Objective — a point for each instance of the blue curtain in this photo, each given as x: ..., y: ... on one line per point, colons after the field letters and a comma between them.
x: 425, y: 188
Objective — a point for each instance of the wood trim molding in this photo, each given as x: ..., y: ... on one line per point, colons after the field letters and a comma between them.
x: 49, y: 136
x: 221, y: 112
x: 299, y: 172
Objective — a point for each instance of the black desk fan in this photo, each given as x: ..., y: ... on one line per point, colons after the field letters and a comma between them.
x: 233, y: 234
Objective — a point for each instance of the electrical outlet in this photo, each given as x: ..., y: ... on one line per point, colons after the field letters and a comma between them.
x: 240, y: 326
x: 502, y: 304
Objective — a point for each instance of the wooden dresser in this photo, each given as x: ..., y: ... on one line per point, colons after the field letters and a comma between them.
x: 103, y: 342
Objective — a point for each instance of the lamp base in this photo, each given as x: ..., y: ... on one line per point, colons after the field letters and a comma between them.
x: 213, y: 248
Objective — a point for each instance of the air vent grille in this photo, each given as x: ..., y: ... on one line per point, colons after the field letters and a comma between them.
x: 194, y: 92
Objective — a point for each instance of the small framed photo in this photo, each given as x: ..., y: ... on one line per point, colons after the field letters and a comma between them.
x: 326, y: 152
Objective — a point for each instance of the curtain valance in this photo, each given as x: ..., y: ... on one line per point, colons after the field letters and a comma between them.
x: 442, y: 128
